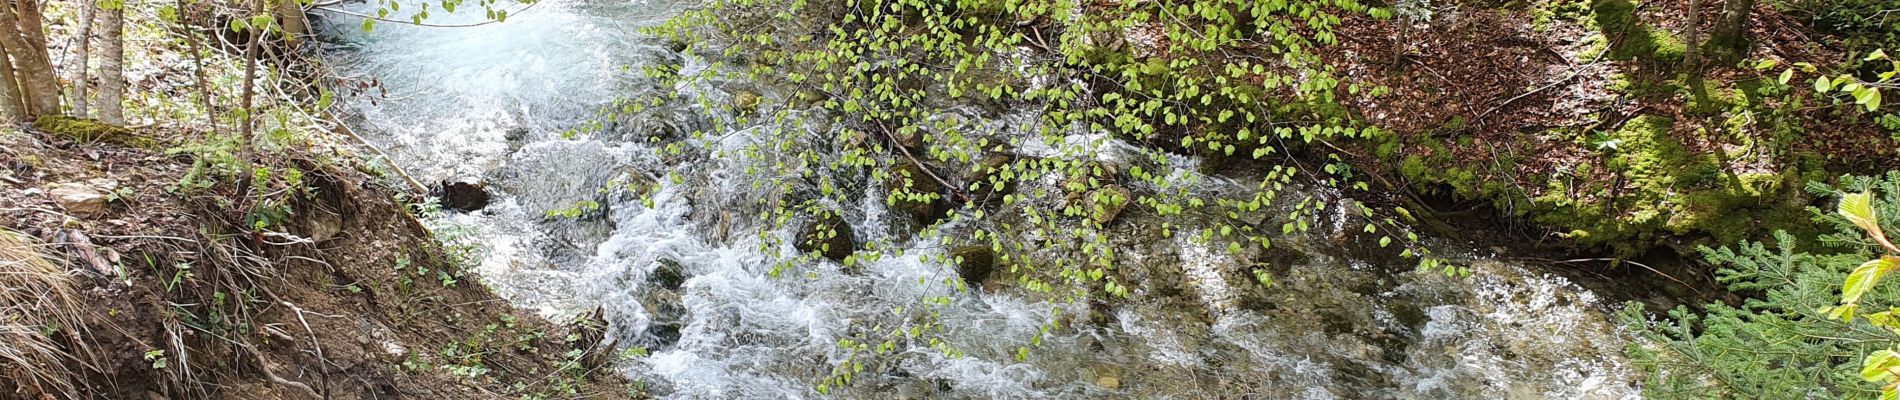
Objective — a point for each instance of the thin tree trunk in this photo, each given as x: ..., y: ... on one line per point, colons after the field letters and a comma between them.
x: 10, y: 91
x: 39, y: 86
x: 81, y: 56
x: 1692, y: 56
x: 111, y: 96
x: 198, y: 70
x: 250, y: 83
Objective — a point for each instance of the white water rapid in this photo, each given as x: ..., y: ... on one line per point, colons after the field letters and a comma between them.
x: 686, y: 277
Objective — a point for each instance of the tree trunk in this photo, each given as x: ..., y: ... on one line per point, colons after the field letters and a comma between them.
x: 39, y: 86
x: 292, y: 21
x: 10, y: 92
x: 1731, y: 34
x: 111, y: 96
x: 1692, y: 55
x: 33, y: 27
x: 81, y: 57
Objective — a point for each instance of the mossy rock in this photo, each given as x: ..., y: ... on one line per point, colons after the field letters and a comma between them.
x: 1672, y: 190
x: 86, y: 130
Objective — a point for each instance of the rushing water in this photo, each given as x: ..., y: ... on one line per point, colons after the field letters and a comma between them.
x: 686, y: 277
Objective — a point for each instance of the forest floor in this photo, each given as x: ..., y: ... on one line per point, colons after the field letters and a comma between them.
x: 1582, y: 119
x: 153, y: 281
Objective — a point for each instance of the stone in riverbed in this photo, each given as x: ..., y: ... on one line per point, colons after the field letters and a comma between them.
x: 827, y: 235
x: 667, y: 274
x: 463, y: 196
x: 915, y: 181
x: 1108, y: 376
x: 1108, y: 202
x: 974, y: 263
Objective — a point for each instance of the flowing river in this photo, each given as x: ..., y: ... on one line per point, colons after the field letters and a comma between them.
x: 686, y: 276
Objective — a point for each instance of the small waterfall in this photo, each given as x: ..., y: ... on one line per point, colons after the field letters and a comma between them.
x: 671, y: 251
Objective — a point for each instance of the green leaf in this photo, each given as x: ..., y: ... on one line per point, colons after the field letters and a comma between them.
x: 1821, y: 84
x: 1885, y: 319
x: 1880, y: 366
x: 1863, y: 279
x: 1786, y: 75
x: 1858, y: 208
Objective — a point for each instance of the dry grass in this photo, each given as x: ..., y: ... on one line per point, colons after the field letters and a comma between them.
x: 37, y: 305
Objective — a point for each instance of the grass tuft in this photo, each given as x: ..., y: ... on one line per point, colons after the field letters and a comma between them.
x: 38, y: 304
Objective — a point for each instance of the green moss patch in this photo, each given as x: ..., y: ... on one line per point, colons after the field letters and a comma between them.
x: 1647, y: 185
x: 1631, y: 39
x: 85, y: 130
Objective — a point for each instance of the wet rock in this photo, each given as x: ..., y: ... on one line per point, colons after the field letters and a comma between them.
x: 1108, y: 376
x: 1108, y: 202
x: 664, y: 335
x: 974, y: 263
x: 909, y: 140
x: 746, y: 102
x: 666, y: 313
x: 516, y: 137
x: 463, y: 196
x: 916, y: 183
x: 84, y: 199
x: 828, y: 235
x: 987, y: 178
x: 667, y: 274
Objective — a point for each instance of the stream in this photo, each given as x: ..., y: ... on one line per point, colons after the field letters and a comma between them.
x: 684, y: 273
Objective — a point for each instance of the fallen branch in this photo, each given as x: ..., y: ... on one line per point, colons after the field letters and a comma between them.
x: 391, y: 162
x: 920, y: 164
x: 1614, y: 261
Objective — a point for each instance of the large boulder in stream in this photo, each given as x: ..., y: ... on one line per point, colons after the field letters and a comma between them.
x: 827, y: 235
x: 974, y: 264
x: 922, y: 196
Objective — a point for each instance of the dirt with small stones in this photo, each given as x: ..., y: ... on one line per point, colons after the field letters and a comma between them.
x: 350, y: 297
